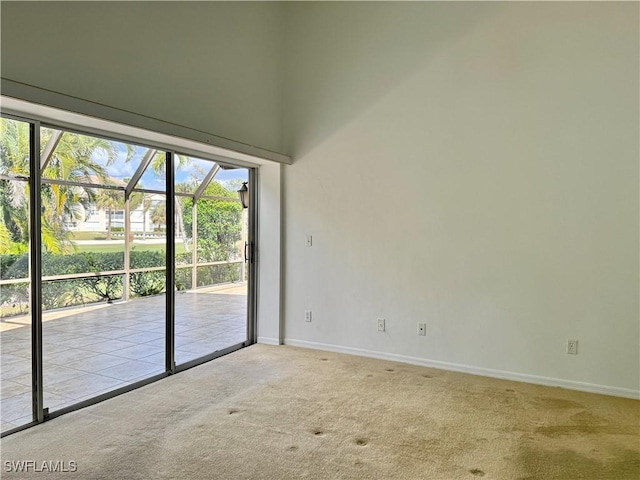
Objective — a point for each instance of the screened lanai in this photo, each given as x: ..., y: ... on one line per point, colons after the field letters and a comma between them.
x: 120, y: 225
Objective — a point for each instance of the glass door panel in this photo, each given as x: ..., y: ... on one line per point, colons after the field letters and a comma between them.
x: 103, y: 266
x: 211, y: 275
x: 15, y: 284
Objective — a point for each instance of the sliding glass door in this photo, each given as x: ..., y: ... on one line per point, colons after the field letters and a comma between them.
x: 211, y: 272
x: 119, y: 264
x: 15, y: 279
x: 103, y: 265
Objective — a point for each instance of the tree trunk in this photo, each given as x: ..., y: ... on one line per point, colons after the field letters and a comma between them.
x: 181, y: 225
x: 108, y: 224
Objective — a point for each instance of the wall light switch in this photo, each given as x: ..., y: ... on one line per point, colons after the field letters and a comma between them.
x: 308, y: 241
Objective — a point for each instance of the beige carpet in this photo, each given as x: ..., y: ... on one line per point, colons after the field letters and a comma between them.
x: 287, y: 413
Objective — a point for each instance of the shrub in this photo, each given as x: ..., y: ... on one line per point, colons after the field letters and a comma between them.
x: 14, y: 266
x: 214, y: 274
x: 15, y: 295
x: 64, y: 293
x: 147, y: 283
x: 183, y: 258
x: 146, y: 259
x: 79, y: 291
x: 183, y: 278
x: 219, y: 224
x: 7, y: 261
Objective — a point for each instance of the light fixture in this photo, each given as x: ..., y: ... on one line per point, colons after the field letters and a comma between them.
x: 243, y: 193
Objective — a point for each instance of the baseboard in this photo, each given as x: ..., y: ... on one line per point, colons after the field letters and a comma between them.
x: 486, y: 372
x: 268, y: 341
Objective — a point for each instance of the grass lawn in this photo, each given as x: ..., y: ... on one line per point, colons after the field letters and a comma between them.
x: 135, y: 246
x: 88, y: 235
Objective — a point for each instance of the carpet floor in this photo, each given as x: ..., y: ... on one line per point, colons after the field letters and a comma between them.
x: 268, y: 412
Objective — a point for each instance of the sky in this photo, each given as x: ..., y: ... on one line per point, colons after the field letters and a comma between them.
x: 194, y: 169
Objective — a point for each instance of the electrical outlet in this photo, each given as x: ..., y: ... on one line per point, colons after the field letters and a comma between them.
x: 381, y: 327
x: 307, y: 315
x: 572, y: 347
x: 422, y: 329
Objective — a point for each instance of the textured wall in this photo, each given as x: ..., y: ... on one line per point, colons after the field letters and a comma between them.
x: 471, y: 166
x: 210, y: 66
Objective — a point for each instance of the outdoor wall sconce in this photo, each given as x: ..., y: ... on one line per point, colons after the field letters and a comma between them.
x: 243, y: 193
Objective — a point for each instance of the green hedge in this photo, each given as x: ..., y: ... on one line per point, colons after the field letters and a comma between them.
x: 214, y: 274
x: 63, y: 264
x: 65, y: 293
x: 147, y: 283
x: 7, y: 261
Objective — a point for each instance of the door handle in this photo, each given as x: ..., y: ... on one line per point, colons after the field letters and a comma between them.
x: 248, y: 252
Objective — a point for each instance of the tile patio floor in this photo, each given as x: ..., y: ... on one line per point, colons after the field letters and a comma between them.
x: 92, y: 350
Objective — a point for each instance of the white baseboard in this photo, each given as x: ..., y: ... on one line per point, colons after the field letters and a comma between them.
x: 486, y: 372
x: 268, y: 341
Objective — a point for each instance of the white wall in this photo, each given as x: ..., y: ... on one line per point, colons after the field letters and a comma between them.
x: 268, y: 254
x: 209, y: 66
x: 474, y: 167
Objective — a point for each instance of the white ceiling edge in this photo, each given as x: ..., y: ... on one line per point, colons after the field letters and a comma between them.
x: 127, y: 133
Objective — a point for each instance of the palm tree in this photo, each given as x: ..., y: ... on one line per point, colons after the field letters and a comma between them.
x: 146, y: 205
x: 73, y: 159
x: 109, y: 200
x: 14, y: 221
x: 159, y: 214
x: 159, y: 166
x: 14, y: 148
x: 14, y: 194
x: 140, y: 199
x: 5, y: 240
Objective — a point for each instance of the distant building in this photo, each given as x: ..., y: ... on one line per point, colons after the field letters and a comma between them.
x: 94, y: 219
